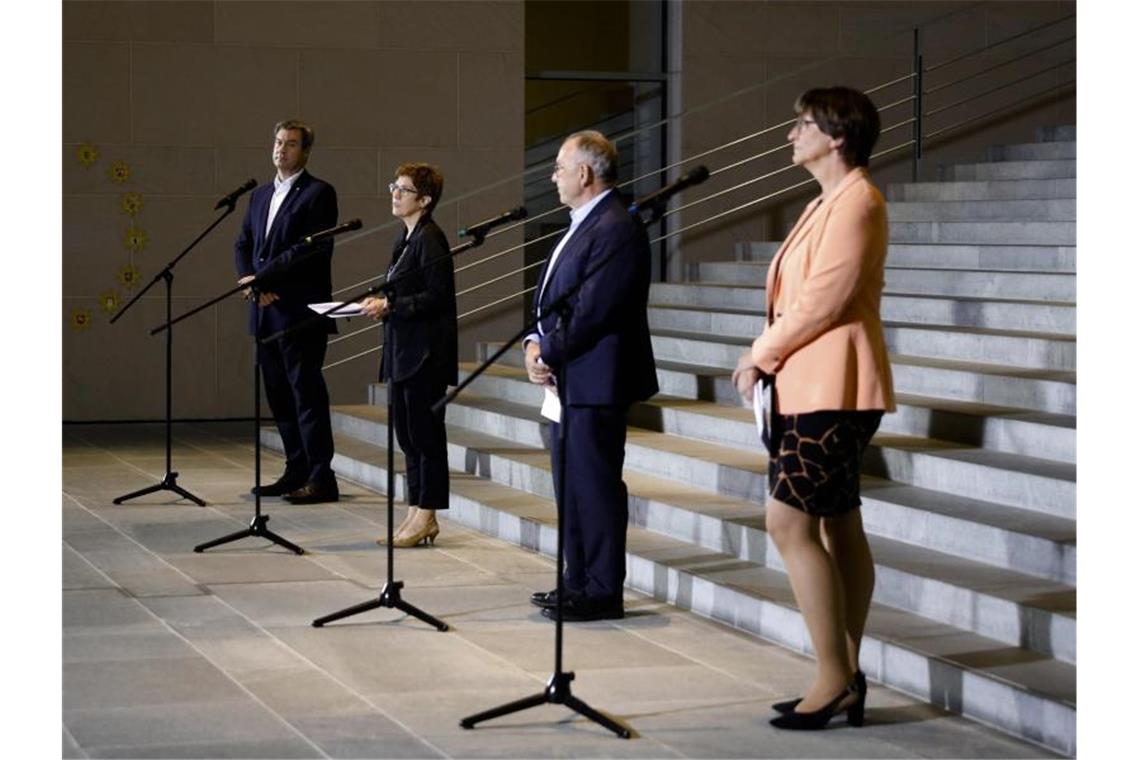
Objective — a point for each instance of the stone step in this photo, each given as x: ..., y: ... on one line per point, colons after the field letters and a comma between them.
x: 1054, y: 150
x: 974, y: 382
x: 1063, y: 132
x: 1009, y: 170
x: 682, y: 372
x: 1017, y: 481
x: 992, y: 428
x: 952, y: 311
x: 996, y: 233
x: 991, y: 190
x: 999, y: 682
x: 1028, y: 258
x: 1033, y: 286
x: 1044, y: 209
x: 1019, y: 349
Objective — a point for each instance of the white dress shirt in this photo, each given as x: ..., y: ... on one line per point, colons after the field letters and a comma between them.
x: 281, y: 188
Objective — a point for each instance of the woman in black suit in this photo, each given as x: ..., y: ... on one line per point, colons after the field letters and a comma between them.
x: 420, y: 352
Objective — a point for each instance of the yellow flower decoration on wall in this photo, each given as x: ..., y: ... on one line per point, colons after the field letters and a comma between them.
x: 129, y: 276
x: 131, y: 203
x: 135, y: 239
x: 109, y: 301
x: 119, y: 172
x: 80, y: 319
x: 87, y: 154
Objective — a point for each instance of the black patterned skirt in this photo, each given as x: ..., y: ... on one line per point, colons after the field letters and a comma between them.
x: 816, y: 467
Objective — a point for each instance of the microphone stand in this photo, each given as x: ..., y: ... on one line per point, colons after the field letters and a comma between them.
x: 557, y: 689
x: 257, y: 526
x: 169, y: 481
x: 390, y: 596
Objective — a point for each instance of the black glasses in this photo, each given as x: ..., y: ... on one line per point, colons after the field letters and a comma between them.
x: 400, y: 189
x: 803, y: 122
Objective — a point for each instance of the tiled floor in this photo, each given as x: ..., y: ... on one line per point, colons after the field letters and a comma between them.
x: 168, y: 653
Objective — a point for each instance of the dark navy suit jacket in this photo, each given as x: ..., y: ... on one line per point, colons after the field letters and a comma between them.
x: 607, y: 348
x: 309, y: 207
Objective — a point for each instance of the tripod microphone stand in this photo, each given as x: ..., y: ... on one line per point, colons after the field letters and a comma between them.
x: 557, y: 689
x: 257, y: 526
x: 169, y: 481
x: 390, y: 596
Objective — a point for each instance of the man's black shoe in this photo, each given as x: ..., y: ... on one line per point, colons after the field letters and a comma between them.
x: 548, y: 599
x: 314, y: 492
x: 580, y: 609
x: 283, y: 485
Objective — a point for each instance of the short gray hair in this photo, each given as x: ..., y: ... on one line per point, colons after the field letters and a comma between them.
x: 598, y: 153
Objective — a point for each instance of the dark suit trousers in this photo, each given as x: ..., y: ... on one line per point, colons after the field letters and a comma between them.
x: 296, y: 392
x: 423, y: 439
x: 595, y: 500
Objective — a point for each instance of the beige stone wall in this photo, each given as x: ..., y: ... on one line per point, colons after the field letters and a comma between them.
x: 792, y: 45
x: 185, y: 94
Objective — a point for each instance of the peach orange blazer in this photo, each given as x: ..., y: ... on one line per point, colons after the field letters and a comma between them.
x: 824, y: 338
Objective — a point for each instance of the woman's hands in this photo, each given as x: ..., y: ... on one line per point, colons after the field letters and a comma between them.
x: 745, y: 376
x: 377, y: 308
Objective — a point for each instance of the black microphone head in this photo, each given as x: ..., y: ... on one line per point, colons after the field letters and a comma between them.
x: 249, y: 185
x: 353, y: 224
x: 696, y: 175
x: 518, y: 213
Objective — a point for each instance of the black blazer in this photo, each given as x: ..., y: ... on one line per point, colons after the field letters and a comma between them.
x: 607, y: 349
x: 309, y: 207
x: 420, y: 329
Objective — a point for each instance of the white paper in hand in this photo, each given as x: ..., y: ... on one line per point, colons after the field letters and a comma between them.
x: 349, y: 310
x: 551, y: 406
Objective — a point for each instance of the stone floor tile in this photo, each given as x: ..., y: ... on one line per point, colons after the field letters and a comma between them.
x: 236, y: 719
x: 79, y: 574
x: 102, y: 609
x: 139, y: 683
x: 403, y: 657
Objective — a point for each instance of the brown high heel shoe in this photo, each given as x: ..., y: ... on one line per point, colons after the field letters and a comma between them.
x: 416, y: 535
x: 408, y: 517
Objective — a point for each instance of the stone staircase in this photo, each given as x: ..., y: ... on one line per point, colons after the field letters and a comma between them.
x: 969, y: 489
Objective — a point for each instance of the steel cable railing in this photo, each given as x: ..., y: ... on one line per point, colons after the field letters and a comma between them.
x: 913, y: 143
x: 992, y: 45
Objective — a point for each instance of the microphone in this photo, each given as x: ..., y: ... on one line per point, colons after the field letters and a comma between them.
x: 694, y: 176
x: 230, y: 199
x: 485, y: 226
x: 349, y: 226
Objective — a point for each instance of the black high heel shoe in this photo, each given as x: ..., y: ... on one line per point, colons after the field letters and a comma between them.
x: 791, y: 704
x: 814, y: 721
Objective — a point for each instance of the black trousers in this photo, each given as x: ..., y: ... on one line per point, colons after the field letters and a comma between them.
x: 595, y: 498
x: 423, y: 439
x: 299, y: 399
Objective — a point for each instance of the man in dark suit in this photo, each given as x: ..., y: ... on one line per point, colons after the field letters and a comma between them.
x: 280, y: 215
x: 607, y: 358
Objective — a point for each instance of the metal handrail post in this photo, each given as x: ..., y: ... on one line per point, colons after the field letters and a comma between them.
x: 916, y: 155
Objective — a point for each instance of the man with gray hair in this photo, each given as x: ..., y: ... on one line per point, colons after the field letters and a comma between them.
x: 605, y: 353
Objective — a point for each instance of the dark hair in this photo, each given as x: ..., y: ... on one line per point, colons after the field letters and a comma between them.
x: 308, y: 136
x: 847, y: 113
x: 427, y: 179
x: 598, y: 153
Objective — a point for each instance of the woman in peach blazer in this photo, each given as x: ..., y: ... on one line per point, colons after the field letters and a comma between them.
x: 823, y: 348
